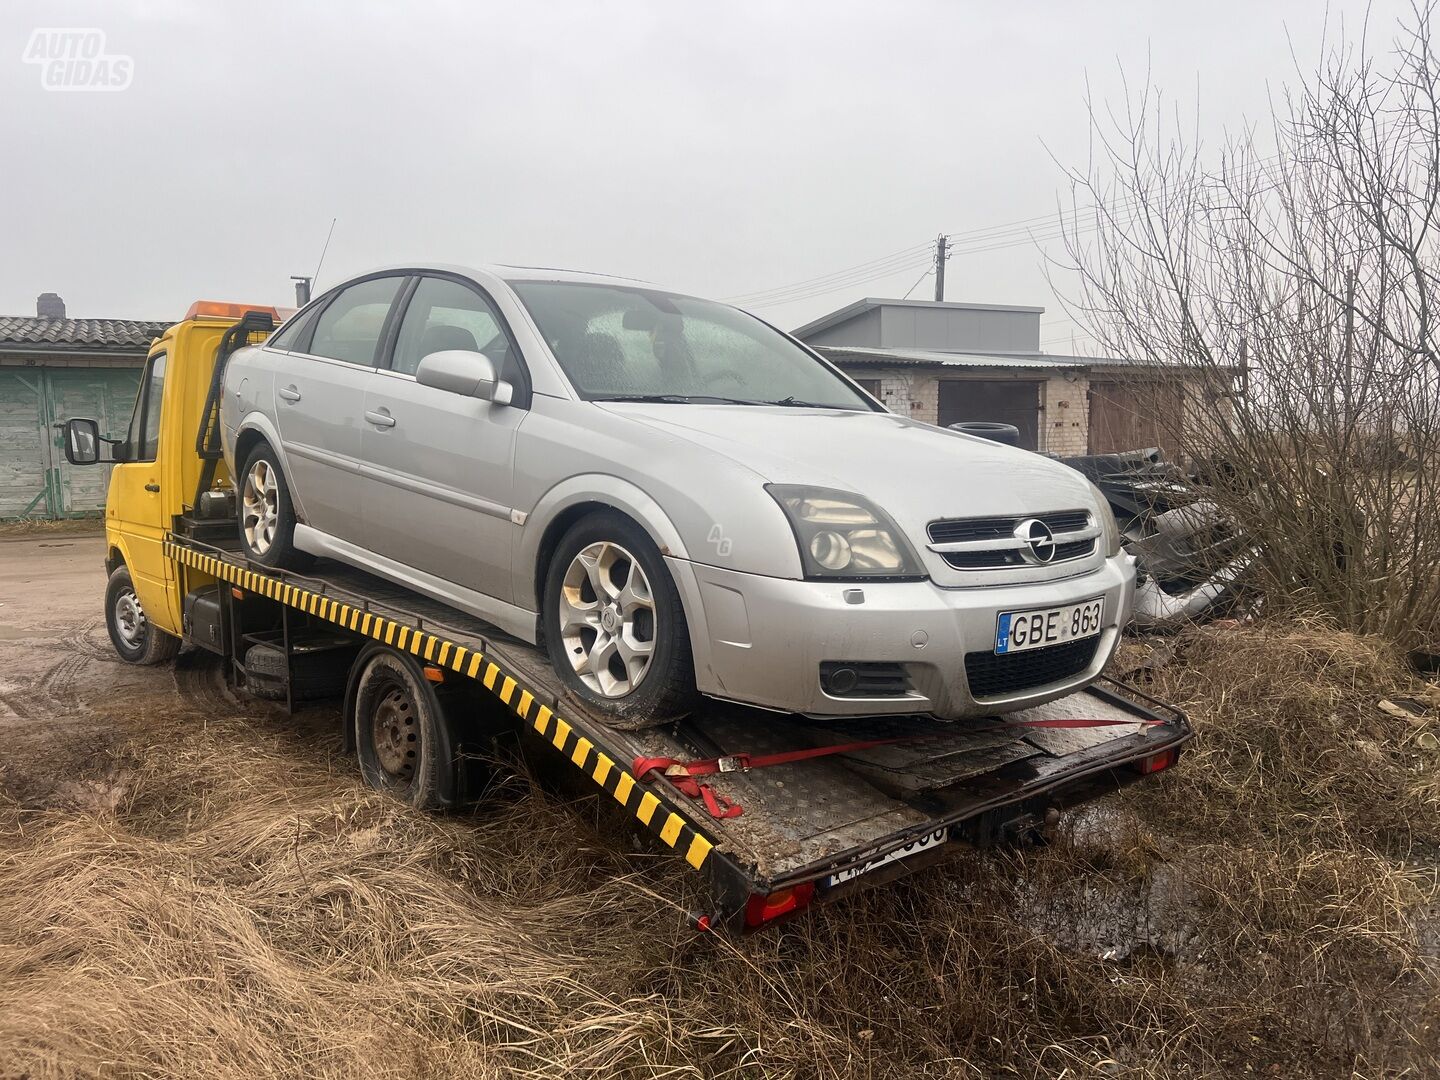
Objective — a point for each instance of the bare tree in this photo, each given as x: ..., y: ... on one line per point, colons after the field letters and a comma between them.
x: 1292, y: 284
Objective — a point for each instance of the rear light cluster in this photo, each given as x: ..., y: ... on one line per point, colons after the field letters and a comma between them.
x: 763, y: 909
x: 1155, y: 762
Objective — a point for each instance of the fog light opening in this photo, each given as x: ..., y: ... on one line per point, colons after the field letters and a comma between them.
x: 842, y: 680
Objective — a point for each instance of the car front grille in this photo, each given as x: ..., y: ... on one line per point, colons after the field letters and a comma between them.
x: 983, y: 531
x: 993, y: 674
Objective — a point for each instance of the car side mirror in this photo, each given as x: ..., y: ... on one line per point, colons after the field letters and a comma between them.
x: 83, y: 442
x: 460, y: 371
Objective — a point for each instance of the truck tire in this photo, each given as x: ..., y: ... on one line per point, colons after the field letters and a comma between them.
x: 267, y: 515
x: 314, y: 676
x: 403, y: 736
x: 137, y: 640
x: 626, y: 653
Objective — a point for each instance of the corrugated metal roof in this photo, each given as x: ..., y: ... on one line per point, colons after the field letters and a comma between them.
x: 869, y: 303
x: 849, y: 355
x: 127, y: 335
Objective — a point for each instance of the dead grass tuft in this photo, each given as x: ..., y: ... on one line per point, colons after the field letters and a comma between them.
x: 226, y: 900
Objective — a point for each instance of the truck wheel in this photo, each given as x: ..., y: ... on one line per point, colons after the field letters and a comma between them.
x: 614, y: 625
x: 135, y: 637
x: 267, y: 517
x: 402, y: 735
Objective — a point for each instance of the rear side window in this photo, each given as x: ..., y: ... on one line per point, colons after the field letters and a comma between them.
x: 349, y: 328
x: 288, y: 337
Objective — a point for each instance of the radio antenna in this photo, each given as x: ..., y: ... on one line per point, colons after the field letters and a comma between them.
x: 325, y: 249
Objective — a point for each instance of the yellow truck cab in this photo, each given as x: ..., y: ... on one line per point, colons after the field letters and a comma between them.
x: 777, y: 817
x: 158, y: 475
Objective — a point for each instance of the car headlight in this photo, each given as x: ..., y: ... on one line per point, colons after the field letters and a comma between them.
x: 842, y: 535
x: 1109, y: 527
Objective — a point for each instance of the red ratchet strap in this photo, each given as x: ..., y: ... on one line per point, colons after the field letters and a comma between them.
x: 684, y: 774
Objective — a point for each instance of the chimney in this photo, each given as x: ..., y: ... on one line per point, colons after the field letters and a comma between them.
x: 48, y: 305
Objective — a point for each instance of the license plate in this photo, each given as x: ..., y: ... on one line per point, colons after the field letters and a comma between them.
x: 928, y: 842
x: 1016, y: 631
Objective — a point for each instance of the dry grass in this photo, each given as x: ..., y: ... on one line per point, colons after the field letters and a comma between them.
x: 227, y: 901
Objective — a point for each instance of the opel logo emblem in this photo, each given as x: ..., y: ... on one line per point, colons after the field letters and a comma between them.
x: 1037, y: 542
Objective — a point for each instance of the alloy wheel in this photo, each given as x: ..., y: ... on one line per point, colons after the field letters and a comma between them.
x: 607, y: 619
x: 260, y: 501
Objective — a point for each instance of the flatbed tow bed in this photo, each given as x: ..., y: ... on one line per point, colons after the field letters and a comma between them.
x: 809, y: 830
x: 776, y: 811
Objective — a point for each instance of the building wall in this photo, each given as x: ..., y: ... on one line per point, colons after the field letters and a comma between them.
x: 983, y: 330
x: 863, y: 331
x: 1065, y: 414
x: 36, y: 393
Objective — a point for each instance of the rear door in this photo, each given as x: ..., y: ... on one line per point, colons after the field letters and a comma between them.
x: 441, y: 465
x: 320, y: 388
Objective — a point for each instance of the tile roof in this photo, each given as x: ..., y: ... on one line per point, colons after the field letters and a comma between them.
x: 100, y: 335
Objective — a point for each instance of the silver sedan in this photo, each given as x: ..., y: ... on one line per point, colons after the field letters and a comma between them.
x: 670, y: 495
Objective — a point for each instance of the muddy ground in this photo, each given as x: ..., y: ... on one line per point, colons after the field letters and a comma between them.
x: 193, y: 883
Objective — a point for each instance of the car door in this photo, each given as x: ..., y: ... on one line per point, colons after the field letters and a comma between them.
x: 440, y: 498
x: 320, y: 388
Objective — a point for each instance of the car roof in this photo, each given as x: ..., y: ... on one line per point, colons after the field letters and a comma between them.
x: 509, y: 273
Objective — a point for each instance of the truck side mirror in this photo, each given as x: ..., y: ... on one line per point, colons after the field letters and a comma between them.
x: 83, y: 441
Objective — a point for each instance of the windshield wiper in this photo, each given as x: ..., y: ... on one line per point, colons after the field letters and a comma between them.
x: 793, y: 402
x: 682, y: 399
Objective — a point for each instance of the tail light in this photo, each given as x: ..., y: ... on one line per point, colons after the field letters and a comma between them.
x: 763, y: 909
x: 1155, y: 762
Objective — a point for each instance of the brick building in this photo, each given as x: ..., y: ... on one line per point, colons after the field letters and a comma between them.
x: 945, y: 362
x: 53, y: 368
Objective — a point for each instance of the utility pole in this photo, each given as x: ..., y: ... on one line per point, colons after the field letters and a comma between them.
x: 940, y: 256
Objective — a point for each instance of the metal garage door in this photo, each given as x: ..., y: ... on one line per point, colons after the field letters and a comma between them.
x: 35, y: 480
x: 1003, y: 401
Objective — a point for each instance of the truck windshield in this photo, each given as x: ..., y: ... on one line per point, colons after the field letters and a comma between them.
x: 621, y: 343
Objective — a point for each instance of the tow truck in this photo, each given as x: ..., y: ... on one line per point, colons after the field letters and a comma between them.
x: 777, y: 814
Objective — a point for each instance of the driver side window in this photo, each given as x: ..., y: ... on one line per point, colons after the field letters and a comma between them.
x: 444, y: 314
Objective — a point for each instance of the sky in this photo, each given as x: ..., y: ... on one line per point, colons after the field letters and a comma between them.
x: 725, y: 149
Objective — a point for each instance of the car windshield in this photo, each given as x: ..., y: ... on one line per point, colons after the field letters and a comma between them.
x: 622, y: 343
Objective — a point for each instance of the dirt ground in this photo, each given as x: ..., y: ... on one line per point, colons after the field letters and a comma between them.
x: 195, y: 884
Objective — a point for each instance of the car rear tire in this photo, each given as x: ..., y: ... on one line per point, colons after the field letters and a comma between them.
x: 267, y: 514
x: 614, y: 626
x: 137, y: 640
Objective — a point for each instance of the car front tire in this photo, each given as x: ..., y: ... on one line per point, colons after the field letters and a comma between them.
x: 614, y: 625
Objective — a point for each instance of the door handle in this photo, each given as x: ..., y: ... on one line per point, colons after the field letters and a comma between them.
x: 288, y: 393
x: 379, y: 417
x: 152, y: 487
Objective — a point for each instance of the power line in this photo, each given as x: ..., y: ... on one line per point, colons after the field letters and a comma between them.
x: 804, y: 282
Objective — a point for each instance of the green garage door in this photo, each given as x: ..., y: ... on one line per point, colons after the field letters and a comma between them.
x: 23, y: 456
x: 35, y: 480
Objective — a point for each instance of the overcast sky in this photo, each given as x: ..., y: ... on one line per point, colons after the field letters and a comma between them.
x: 719, y: 148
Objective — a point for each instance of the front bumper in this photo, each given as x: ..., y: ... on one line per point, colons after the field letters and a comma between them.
x: 761, y: 640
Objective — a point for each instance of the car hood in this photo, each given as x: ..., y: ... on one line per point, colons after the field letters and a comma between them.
x: 916, y: 472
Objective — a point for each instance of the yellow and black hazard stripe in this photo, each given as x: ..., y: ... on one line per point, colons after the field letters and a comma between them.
x: 581, y: 752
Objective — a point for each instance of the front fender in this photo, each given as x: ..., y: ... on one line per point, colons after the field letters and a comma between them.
x: 589, y: 488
